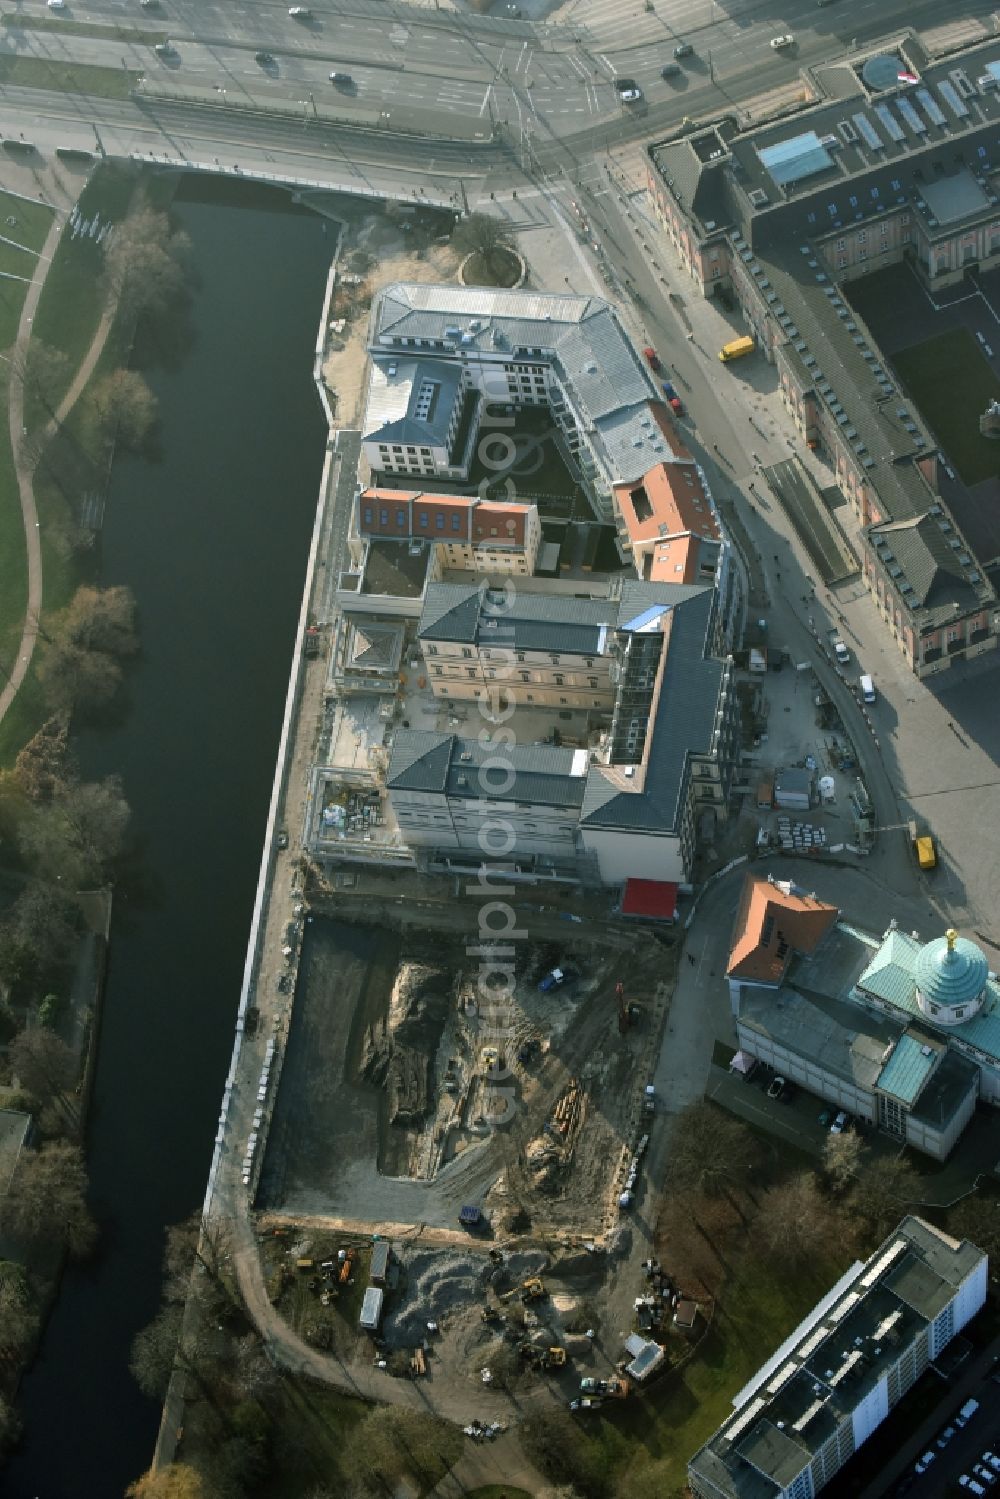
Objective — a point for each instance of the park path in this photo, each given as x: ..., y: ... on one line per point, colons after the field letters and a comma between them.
x: 23, y: 468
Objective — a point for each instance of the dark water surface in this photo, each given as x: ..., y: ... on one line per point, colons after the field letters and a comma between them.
x: 213, y: 540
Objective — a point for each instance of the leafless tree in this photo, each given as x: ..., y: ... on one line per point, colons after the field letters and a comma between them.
x: 145, y: 264
x: 795, y: 1222
x: 125, y: 407
x: 884, y: 1192
x: 179, y: 1481
x: 47, y: 1199
x: 842, y: 1159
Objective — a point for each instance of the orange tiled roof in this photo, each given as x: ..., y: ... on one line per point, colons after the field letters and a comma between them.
x: 668, y: 500
x: 771, y: 924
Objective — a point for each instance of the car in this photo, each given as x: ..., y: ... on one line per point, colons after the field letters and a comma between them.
x: 670, y: 70
x: 150, y: 4
x: 164, y: 49
x: 341, y: 80
x: 841, y: 652
x: 923, y: 1463
x: 993, y: 1460
x: 779, y: 43
x: 300, y: 12
x: 553, y: 980
x: 652, y: 359
x: 972, y: 1484
x: 282, y: 838
x: 777, y: 1083
x: 839, y: 1124
x: 627, y: 90
x: 683, y: 49
x: 56, y: 4
x: 266, y: 59
x: 986, y: 1475
x: 946, y: 1436
x: 673, y: 399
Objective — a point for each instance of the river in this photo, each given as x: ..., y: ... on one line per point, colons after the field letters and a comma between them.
x: 213, y: 539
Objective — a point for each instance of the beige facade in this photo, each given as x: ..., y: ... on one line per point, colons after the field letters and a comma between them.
x: 529, y: 678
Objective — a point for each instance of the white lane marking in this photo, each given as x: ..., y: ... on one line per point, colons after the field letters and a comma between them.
x: 486, y: 99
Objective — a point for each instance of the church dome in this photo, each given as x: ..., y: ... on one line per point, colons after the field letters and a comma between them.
x: 951, y: 975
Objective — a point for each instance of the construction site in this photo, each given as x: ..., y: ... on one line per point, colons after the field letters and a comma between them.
x: 495, y: 1148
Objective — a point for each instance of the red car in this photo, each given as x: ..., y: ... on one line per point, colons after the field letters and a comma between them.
x: 676, y: 404
x: 653, y: 359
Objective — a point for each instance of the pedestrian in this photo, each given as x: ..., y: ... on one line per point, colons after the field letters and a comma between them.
x: 691, y: 958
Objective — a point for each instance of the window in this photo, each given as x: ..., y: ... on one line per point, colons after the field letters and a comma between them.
x: 860, y: 237
x: 456, y: 522
x: 904, y: 218
x: 528, y: 697
x: 862, y: 254
x: 960, y: 1012
x: 525, y: 676
x: 841, y: 244
x: 895, y: 184
x: 597, y: 702
x: 439, y: 522
x: 412, y: 451
x: 841, y: 262
x: 423, y: 519
x: 430, y: 650
x: 853, y: 201
x: 874, y: 192
x: 470, y: 671
x: 592, y: 681
x: 368, y: 515
x: 559, y: 680
x: 400, y: 517
x: 466, y: 652
x: 383, y: 517
x: 396, y: 448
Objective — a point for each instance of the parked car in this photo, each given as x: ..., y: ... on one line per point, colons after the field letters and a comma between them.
x: 923, y: 1463
x: 683, y: 49
x: 652, y: 359
x: 670, y: 70
x: 341, y: 80
x: 841, y: 652
x: 673, y: 399
x: 56, y: 4
x: 946, y: 1436
x: 164, y: 49
x: 774, y: 1091
x: 985, y: 1474
x: 779, y: 43
x: 266, y: 59
x: 300, y: 12
x: 838, y: 1126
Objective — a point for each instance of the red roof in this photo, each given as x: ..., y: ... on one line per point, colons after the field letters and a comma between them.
x: 656, y: 900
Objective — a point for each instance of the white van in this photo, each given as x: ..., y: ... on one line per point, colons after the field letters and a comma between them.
x: 867, y: 689
x: 967, y: 1412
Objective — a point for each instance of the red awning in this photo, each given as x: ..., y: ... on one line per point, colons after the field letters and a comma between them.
x: 656, y: 900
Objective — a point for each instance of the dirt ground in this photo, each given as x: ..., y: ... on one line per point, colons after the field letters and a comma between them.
x: 377, y: 250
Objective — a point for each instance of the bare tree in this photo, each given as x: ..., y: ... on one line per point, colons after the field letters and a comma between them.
x: 42, y: 1063
x: 46, y: 920
x: 145, y: 264
x: 99, y: 619
x: 710, y: 1152
x: 84, y: 646
x: 977, y: 1219
x: 42, y: 768
x: 48, y: 1199
x: 43, y: 372
x: 794, y: 1223
x: 842, y: 1159
x: 125, y: 407
x: 884, y: 1192
x: 490, y: 238
x: 179, y: 1481
x: 76, y: 680
x: 79, y: 837
x: 19, y: 1319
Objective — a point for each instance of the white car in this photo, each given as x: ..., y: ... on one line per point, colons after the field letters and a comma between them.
x: 841, y: 652
x: 924, y: 1463
x: 837, y: 1128
x: 300, y: 12
x: 779, y: 43
x: 627, y: 90
x: 56, y: 4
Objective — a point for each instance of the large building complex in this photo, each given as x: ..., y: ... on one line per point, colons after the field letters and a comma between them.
x: 833, y: 1382
x: 901, y: 1033
x: 899, y: 162
x: 448, y: 360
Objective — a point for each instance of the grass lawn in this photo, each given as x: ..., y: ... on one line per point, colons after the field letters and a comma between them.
x: 952, y: 384
x: 68, y: 78
x: 72, y: 300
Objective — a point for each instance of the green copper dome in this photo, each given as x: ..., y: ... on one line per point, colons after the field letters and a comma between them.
x: 950, y: 971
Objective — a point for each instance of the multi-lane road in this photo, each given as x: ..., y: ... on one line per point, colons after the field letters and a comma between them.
x: 448, y: 73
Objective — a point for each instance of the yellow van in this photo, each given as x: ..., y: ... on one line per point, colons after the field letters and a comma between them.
x: 737, y: 349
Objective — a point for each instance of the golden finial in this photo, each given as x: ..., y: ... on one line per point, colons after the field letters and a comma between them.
x: 952, y: 937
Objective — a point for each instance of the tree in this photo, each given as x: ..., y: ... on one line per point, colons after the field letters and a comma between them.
x: 842, y: 1159
x: 252, y: 1374
x: 883, y: 1193
x: 179, y: 1481
x: 78, y: 838
x: 47, y: 1199
x: 490, y: 238
x: 18, y: 1313
x: 710, y: 1152
x: 42, y: 769
x: 794, y: 1223
x: 99, y: 619
x: 75, y: 680
x: 202, y: 1245
x: 978, y: 1219
x: 144, y: 264
x: 42, y: 1063
x: 42, y: 370
x: 125, y: 407
x: 45, y: 920
x: 154, y: 1351
x: 10, y: 1424
x: 85, y: 644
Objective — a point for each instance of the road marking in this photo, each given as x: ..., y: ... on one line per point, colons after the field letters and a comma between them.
x: 486, y: 99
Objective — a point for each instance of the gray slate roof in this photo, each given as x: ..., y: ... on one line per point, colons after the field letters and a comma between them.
x: 685, y: 716
x: 535, y: 622
x: 445, y: 763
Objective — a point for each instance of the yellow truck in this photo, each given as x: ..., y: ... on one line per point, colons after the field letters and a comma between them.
x: 737, y: 349
x: 923, y: 847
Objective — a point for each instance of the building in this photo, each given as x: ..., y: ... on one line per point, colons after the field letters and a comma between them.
x: 466, y: 533
x: 902, y: 1034
x: 451, y: 362
x: 648, y: 664
x: 897, y: 161
x: 848, y: 1363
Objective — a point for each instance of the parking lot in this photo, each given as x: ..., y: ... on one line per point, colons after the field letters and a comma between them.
x: 965, y: 1447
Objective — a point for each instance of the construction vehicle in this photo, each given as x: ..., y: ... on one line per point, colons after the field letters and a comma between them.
x: 418, y: 1363
x: 542, y: 1358
x: 311, y: 642
x: 470, y: 1217
x: 529, y: 1290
